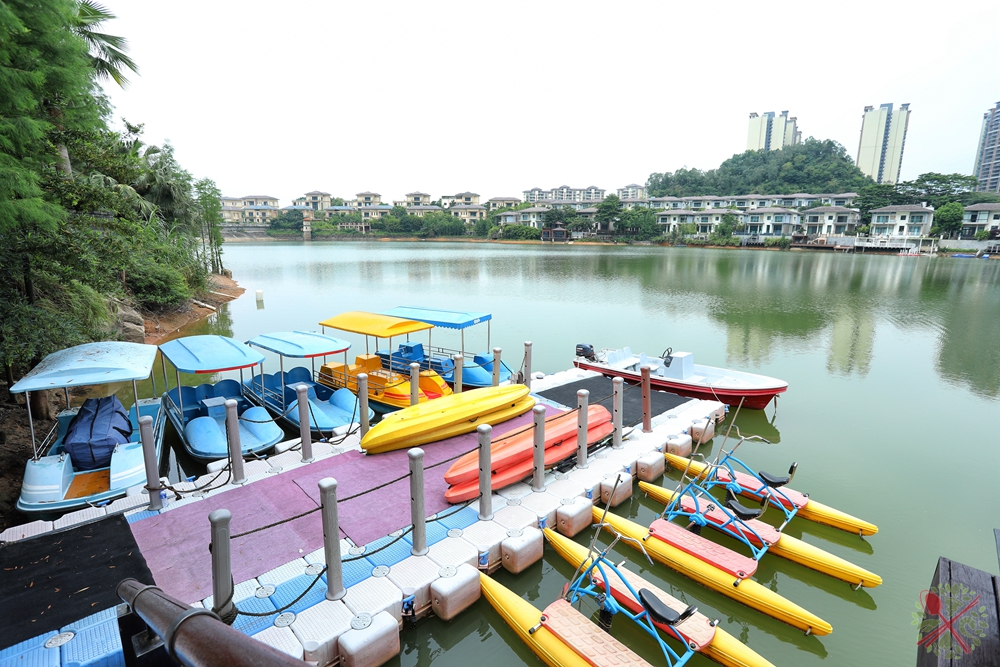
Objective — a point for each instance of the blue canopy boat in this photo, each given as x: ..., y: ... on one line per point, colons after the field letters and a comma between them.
x: 331, y: 411
x: 439, y: 359
x: 104, y: 468
x: 199, y: 413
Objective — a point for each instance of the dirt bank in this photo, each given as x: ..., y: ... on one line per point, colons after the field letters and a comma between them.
x: 15, y: 435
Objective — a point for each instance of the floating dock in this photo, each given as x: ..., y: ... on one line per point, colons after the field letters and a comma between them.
x: 390, y: 570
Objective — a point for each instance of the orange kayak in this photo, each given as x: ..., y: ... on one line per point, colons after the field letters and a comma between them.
x: 510, y: 448
x: 512, y: 474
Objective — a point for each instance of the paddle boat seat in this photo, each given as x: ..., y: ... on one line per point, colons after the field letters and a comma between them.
x: 742, y: 511
x: 775, y: 481
x: 298, y: 375
x: 660, y: 612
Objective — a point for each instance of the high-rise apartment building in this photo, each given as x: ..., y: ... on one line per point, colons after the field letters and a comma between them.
x: 987, y: 169
x: 883, y: 137
x: 770, y: 132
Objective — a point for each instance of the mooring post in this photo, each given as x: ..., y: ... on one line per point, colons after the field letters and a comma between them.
x: 149, y: 458
x: 485, y: 432
x: 233, y: 436
x: 538, y: 478
x: 331, y: 539
x: 617, y: 404
x: 414, y: 383
x: 418, y: 518
x: 459, y: 365
x: 582, y: 404
x: 496, y: 366
x: 527, y: 364
x: 305, y: 423
x: 363, y: 402
x: 222, y: 573
x: 647, y: 410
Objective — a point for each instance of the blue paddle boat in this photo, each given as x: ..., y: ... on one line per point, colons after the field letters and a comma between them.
x: 199, y: 413
x: 331, y: 411
x: 92, y: 454
x: 477, y: 374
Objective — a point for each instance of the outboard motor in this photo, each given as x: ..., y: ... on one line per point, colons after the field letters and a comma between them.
x: 585, y: 350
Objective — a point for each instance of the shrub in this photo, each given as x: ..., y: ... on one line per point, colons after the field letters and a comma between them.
x: 156, y: 286
x: 521, y: 233
x: 982, y: 235
x: 782, y: 242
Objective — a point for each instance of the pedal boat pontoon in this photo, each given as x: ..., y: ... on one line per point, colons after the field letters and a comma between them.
x: 677, y: 373
x: 331, y: 412
x: 388, y: 390
x: 440, y: 359
x: 51, y: 482
x: 199, y: 413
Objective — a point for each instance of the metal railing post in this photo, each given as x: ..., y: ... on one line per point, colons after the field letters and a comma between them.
x: 233, y: 436
x: 363, y: 402
x: 305, y: 425
x: 527, y: 364
x: 222, y: 573
x: 331, y: 539
x: 647, y: 416
x: 538, y: 478
x: 459, y: 366
x: 417, y: 516
x: 496, y: 366
x: 149, y: 459
x: 485, y: 432
x: 582, y: 403
x: 617, y: 405
x: 414, y: 383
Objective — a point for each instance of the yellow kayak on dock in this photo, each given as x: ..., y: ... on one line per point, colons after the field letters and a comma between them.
x: 808, y: 508
x: 749, y: 592
x: 713, y: 642
x: 446, y: 417
x: 789, y: 547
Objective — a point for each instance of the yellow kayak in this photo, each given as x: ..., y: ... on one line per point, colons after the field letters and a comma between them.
x: 521, y: 615
x: 787, y: 546
x: 712, y: 641
x: 808, y: 508
x: 749, y: 592
x: 446, y: 417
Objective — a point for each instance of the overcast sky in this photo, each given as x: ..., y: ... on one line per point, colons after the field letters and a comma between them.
x: 279, y: 98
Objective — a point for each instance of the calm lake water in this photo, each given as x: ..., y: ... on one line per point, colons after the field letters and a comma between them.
x: 893, y: 365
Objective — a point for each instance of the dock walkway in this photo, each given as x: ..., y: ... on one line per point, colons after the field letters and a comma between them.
x: 275, y: 566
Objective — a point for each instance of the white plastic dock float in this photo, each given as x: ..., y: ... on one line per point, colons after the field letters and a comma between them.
x: 455, y: 591
x: 416, y: 573
x: 282, y: 639
x: 515, y: 516
x: 544, y: 505
x: 650, y: 466
x: 375, y: 595
x: 319, y: 629
x: 371, y: 641
x: 575, y: 515
x: 522, y: 549
x: 453, y: 550
x: 486, y: 537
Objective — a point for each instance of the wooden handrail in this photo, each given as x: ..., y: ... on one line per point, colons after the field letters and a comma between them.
x: 196, y: 637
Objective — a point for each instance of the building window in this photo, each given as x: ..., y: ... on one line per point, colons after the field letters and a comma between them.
x: 902, y: 217
x: 754, y: 218
x: 813, y: 218
x: 916, y: 218
x: 881, y: 218
x: 914, y: 230
x: 841, y: 218
x: 779, y: 218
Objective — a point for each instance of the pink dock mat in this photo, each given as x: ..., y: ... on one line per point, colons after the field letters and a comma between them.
x: 175, y: 544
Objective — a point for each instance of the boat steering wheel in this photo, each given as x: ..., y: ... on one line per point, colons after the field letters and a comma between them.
x: 666, y: 357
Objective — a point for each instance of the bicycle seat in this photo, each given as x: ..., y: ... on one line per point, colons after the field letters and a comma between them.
x: 660, y: 612
x: 773, y: 481
x: 742, y: 511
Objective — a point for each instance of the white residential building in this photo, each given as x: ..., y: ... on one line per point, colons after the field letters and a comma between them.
x: 497, y: 203
x: 830, y: 220
x: 316, y: 200
x: 565, y: 192
x: 533, y: 216
x: 632, y: 191
x: 980, y: 217
x: 883, y: 137
x: 770, y: 132
x: 904, y: 220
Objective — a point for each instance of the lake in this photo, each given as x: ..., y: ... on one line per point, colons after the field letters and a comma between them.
x: 893, y: 365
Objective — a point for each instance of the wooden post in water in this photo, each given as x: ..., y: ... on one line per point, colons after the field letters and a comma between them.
x: 647, y: 417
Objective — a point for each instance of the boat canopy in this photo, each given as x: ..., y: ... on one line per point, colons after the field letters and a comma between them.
x: 300, y: 344
x: 449, y: 319
x: 209, y: 354
x: 88, y: 364
x: 373, y: 324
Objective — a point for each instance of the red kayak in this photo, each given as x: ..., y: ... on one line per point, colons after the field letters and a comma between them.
x: 524, y: 467
x: 512, y: 447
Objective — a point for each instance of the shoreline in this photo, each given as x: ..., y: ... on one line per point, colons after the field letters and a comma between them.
x: 161, y: 327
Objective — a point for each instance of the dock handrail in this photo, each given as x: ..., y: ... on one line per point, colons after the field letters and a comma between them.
x: 196, y: 637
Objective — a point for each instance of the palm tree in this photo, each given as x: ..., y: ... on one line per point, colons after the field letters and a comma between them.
x: 108, y: 53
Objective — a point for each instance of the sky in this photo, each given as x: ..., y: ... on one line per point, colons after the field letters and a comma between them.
x: 281, y: 98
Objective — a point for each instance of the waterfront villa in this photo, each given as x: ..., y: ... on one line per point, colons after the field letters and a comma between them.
x: 981, y: 217
x: 902, y: 220
x: 837, y: 220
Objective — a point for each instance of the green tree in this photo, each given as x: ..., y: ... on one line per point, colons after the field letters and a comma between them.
x: 938, y: 189
x: 208, y: 210
x: 948, y: 219
x: 609, y: 211
x: 482, y: 228
x: 638, y: 222
x: 727, y: 225
x: 287, y: 220
x: 398, y: 212
x: 108, y: 53
x: 877, y: 195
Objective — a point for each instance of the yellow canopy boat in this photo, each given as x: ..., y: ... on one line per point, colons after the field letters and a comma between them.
x: 387, y: 390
